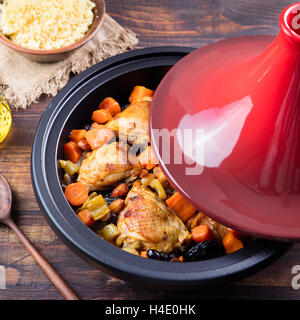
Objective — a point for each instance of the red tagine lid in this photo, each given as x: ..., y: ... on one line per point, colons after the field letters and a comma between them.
x: 225, y: 127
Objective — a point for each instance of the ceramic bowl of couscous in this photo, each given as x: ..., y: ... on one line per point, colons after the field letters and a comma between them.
x: 49, y: 30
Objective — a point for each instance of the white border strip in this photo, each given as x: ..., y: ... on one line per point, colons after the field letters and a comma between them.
x: 2, y: 278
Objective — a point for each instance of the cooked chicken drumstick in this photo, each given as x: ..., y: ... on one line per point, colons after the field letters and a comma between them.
x: 146, y: 223
x: 132, y: 123
x: 106, y: 166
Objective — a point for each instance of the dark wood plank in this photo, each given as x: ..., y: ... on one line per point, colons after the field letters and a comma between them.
x: 165, y: 22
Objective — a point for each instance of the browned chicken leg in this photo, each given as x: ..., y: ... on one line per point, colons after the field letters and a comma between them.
x: 106, y: 166
x: 132, y: 123
x: 146, y: 223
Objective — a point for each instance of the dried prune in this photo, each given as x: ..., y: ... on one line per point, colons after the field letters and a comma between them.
x: 154, y: 254
x: 205, y: 250
x: 160, y: 255
x: 164, y: 256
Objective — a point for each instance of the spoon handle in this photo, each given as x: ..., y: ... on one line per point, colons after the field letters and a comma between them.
x: 58, y: 282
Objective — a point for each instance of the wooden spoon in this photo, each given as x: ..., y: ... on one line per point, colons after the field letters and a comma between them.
x: 5, y: 218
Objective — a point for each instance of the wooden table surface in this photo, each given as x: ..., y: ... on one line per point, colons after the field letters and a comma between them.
x: 164, y: 22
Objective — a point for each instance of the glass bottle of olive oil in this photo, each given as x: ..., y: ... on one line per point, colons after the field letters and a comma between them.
x: 5, y: 118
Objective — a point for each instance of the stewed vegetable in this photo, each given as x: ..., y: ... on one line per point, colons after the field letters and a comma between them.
x: 113, y: 181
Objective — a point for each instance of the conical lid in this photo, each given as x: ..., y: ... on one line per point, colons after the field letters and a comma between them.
x: 225, y: 127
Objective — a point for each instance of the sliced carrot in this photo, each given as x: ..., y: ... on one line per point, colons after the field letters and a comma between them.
x: 138, y: 93
x: 144, y: 254
x: 72, y: 152
x: 182, y: 207
x: 202, y: 233
x: 77, y: 135
x: 99, y: 136
x: 231, y: 243
x: 86, y: 217
x: 76, y: 193
x: 101, y: 116
x: 110, y: 105
x: 147, y: 158
x: 84, y: 145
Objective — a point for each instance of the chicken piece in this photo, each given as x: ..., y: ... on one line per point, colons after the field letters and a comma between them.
x: 106, y: 166
x: 132, y: 123
x: 219, y: 230
x: 146, y: 223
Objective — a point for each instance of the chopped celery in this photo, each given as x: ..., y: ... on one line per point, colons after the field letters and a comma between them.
x: 119, y: 241
x: 109, y: 232
x: 62, y: 163
x: 156, y: 185
x: 92, y: 195
x: 97, y: 206
x: 88, y: 201
x: 94, y: 203
x: 71, y: 168
x: 100, y: 212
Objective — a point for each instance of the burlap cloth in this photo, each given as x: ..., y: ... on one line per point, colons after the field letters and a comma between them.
x: 22, y: 81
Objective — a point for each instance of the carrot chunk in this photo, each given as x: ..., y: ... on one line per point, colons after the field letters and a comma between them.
x: 147, y: 158
x: 238, y: 234
x: 72, y: 152
x: 110, y: 105
x: 101, y: 116
x: 231, y: 243
x: 86, y: 217
x: 202, y: 233
x: 182, y: 207
x: 76, y: 193
x: 138, y: 93
x: 99, y: 136
x: 77, y: 135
